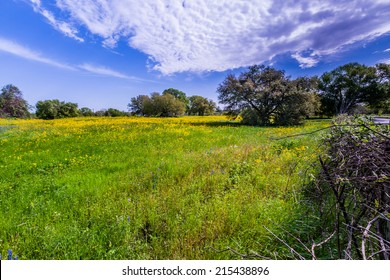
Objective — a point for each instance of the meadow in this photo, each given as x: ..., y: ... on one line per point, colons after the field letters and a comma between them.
x: 152, y: 188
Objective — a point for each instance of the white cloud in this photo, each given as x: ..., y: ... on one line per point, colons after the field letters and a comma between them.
x: 387, y: 50
x: 205, y: 35
x: 26, y: 53
x: 305, y: 62
x: 16, y: 49
x: 104, y: 71
x: 61, y: 26
x: 387, y: 61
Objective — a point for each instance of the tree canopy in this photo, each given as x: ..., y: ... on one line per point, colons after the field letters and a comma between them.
x: 54, y: 109
x: 165, y: 105
x: 12, y: 104
x: 265, y: 96
x: 178, y: 94
x: 201, y: 106
x: 352, y: 84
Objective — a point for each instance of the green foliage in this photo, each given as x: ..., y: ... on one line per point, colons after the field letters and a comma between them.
x: 178, y: 94
x: 237, y: 172
x: 201, y: 106
x: 111, y: 112
x: 138, y: 103
x: 250, y: 117
x: 157, y: 105
x: 382, y: 104
x: 86, y: 112
x: 347, y: 86
x: 266, y: 92
x: 54, y: 109
x: 12, y: 104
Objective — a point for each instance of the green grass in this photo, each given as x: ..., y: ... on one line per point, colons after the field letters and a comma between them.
x: 137, y: 188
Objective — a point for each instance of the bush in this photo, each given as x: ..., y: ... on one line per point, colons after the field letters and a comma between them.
x: 352, y: 191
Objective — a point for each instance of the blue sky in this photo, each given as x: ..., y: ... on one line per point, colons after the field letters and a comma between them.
x: 100, y: 53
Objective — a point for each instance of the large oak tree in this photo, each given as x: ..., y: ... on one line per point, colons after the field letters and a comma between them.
x: 265, y: 96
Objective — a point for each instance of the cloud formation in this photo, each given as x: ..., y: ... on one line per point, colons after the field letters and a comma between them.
x: 205, y: 35
x: 105, y: 71
x: 61, y: 26
x: 26, y: 53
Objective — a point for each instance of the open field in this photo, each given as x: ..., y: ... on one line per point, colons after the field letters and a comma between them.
x: 145, y: 188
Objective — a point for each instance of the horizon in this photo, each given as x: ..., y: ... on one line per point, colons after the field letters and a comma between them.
x: 100, y: 54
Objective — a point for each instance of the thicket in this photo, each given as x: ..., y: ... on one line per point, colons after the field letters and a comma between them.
x: 351, y: 194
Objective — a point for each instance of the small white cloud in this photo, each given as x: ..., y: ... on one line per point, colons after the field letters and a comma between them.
x: 105, y: 71
x: 305, y: 62
x: 26, y: 53
x: 387, y: 50
x: 102, y: 70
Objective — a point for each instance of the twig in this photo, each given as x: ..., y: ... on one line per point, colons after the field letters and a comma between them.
x: 320, y: 244
x: 365, y: 234
x: 296, y: 238
x: 281, y: 240
x: 376, y: 253
x: 377, y: 132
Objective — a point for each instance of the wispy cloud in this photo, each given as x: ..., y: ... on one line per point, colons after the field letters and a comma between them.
x: 62, y: 26
x: 105, y: 71
x: 26, y: 53
x: 16, y: 49
x: 200, y: 35
x: 387, y: 50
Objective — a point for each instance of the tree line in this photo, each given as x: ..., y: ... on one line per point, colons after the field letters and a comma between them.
x: 266, y: 96
x: 260, y: 96
x: 170, y: 103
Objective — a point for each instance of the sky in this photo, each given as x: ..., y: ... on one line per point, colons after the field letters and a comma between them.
x: 101, y: 53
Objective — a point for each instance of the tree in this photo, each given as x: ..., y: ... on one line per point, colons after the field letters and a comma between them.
x: 347, y: 86
x: 86, y: 112
x: 382, y: 101
x: 198, y: 105
x: 111, y: 112
x: 177, y: 94
x: 12, y: 104
x: 54, y: 109
x: 100, y: 113
x: 265, y: 96
x: 158, y: 105
x: 68, y: 110
x: 48, y: 109
x: 167, y: 105
x: 137, y: 104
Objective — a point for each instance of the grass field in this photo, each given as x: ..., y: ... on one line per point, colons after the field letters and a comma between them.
x: 148, y: 188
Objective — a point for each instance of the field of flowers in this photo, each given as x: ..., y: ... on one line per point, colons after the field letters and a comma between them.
x: 150, y: 188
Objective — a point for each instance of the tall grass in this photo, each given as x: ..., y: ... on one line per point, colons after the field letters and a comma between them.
x: 144, y: 188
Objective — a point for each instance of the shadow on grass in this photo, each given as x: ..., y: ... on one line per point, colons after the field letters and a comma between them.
x: 217, y: 124
x: 239, y: 124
